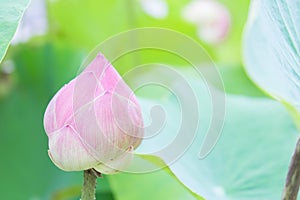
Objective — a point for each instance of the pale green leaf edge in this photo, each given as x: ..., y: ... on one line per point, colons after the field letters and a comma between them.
x: 291, y: 109
x: 162, y: 165
x: 15, y: 29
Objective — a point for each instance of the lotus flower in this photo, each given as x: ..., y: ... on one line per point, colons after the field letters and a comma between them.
x: 94, y: 121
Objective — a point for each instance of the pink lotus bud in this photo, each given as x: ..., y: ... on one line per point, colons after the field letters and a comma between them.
x: 94, y: 121
x: 211, y: 18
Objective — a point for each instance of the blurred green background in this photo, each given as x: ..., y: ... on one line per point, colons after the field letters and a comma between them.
x: 38, y: 63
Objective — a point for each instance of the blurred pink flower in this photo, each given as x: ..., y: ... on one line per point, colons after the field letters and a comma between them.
x: 94, y: 121
x: 211, y: 18
x: 158, y: 9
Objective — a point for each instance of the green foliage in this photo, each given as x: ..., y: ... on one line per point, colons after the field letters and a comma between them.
x: 153, y: 185
x: 230, y: 50
x: 86, y: 23
x: 10, y: 16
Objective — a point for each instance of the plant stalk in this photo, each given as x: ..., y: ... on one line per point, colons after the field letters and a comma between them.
x: 89, y: 185
x: 293, y: 177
